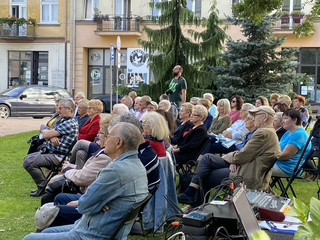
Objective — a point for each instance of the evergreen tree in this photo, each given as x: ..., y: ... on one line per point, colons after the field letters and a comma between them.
x: 169, y: 46
x: 254, y: 67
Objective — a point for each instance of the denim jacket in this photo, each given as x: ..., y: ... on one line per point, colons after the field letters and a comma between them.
x: 118, y: 186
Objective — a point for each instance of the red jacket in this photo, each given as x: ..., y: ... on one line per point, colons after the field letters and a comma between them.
x: 91, y: 129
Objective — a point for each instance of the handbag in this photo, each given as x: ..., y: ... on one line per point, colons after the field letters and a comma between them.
x: 70, y: 187
x: 35, y: 144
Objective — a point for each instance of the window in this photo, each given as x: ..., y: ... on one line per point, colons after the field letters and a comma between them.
x: 19, y: 8
x: 156, y: 12
x: 91, y: 6
x: 291, y: 5
x: 194, y: 6
x: 50, y: 11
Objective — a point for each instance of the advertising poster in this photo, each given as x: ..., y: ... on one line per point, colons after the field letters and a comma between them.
x: 137, y: 68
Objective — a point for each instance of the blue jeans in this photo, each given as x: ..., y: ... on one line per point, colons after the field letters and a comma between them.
x: 67, y: 215
x: 55, y: 233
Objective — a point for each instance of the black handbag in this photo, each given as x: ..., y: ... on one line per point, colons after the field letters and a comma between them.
x: 35, y: 144
x: 70, y: 187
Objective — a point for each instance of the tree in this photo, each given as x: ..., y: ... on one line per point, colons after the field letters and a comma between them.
x: 257, y: 10
x: 170, y: 45
x: 254, y: 67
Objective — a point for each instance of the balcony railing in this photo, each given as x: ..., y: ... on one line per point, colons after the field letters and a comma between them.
x: 16, y: 31
x: 121, y: 25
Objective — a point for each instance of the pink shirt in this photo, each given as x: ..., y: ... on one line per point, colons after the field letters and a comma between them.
x: 234, y: 116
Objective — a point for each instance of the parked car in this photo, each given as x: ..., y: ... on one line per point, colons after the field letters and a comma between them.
x: 106, y: 101
x: 35, y: 101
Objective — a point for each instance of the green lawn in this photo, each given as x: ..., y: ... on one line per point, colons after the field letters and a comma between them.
x: 17, y: 208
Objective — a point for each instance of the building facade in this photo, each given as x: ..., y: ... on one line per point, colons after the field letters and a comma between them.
x: 92, y: 45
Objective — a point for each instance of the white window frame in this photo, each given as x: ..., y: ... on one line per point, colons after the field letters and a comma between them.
x: 23, y: 8
x: 51, y: 4
x: 89, y: 13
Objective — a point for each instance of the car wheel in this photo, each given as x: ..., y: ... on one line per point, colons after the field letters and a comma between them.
x: 4, y: 111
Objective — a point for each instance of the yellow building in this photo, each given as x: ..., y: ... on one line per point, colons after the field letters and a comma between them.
x: 67, y: 48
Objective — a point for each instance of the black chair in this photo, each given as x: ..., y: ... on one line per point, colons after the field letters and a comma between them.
x: 54, y: 170
x: 131, y: 215
x: 299, y: 168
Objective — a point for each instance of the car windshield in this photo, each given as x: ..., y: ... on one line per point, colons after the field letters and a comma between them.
x: 13, y: 92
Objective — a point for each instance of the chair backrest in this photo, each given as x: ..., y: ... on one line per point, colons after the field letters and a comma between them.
x: 308, y: 122
x: 131, y: 215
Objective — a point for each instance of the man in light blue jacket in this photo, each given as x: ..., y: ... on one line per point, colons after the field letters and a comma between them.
x: 117, y: 188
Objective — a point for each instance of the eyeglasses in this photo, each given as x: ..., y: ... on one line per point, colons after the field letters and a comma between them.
x: 196, y: 115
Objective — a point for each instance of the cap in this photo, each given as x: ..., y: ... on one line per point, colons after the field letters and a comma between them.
x: 45, y: 215
x: 264, y: 109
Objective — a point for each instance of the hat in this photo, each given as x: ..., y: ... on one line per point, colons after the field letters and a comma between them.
x: 45, y: 215
x: 264, y: 109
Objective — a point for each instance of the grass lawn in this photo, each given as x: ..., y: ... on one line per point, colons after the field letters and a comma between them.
x: 17, y: 208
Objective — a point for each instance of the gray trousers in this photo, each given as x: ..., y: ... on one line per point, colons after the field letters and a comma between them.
x: 34, y: 161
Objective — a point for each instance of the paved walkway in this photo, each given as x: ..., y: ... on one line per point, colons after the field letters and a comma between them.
x: 17, y: 125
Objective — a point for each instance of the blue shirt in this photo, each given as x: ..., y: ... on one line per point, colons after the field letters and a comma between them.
x: 297, y: 139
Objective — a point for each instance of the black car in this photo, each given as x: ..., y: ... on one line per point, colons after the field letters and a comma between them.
x: 106, y: 101
x: 30, y: 101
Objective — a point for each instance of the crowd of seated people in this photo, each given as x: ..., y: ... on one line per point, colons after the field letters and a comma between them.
x: 160, y: 146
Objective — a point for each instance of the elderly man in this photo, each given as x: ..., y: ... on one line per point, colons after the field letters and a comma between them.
x: 108, y: 199
x: 59, y: 140
x: 251, y: 162
x: 144, y: 102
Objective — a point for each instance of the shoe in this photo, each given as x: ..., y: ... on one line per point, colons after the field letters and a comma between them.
x: 186, y: 199
x: 37, y: 193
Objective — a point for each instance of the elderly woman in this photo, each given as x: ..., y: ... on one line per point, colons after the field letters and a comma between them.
x: 209, y: 120
x: 291, y: 144
x: 90, y: 130
x: 277, y: 124
x: 298, y: 104
x: 236, y: 104
x: 274, y: 98
x: 82, y: 116
x: 156, y: 132
x: 185, y: 126
x: 237, y: 132
x: 152, y: 106
x: 285, y: 99
x: 280, y: 107
x: 262, y: 101
x: 213, y: 110
x: 223, y: 121
x: 119, y: 109
x: 193, y: 140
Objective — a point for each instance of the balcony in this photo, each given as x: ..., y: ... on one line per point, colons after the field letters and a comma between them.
x: 117, y: 25
x: 16, y: 31
x: 286, y: 25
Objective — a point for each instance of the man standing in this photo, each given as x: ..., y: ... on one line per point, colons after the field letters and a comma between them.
x: 58, y: 140
x: 108, y: 199
x: 177, y: 87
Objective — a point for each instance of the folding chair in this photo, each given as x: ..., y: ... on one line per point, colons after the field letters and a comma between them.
x: 308, y: 122
x: 54, y: 170
x: 298, y: 170
x: 131, y: 216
